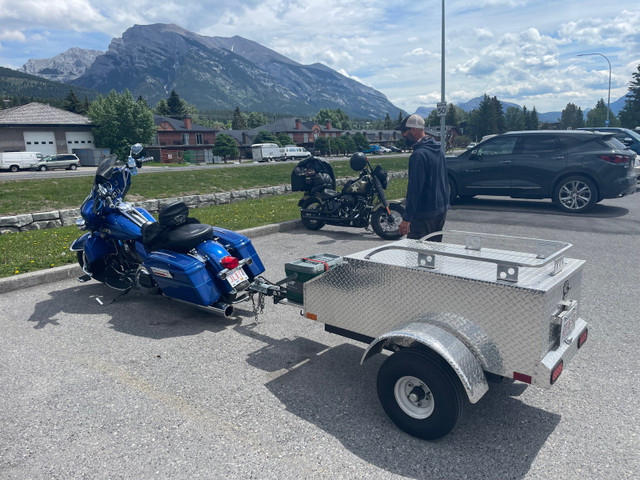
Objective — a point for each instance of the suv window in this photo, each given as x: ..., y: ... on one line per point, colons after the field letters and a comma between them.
x: 539, y: 144
x: 498, y: 146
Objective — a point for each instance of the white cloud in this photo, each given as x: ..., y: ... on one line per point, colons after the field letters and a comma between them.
x: 525, y: 49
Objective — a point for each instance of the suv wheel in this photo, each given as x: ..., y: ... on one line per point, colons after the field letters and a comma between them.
x: 42, y: 168
x: 575, y: 194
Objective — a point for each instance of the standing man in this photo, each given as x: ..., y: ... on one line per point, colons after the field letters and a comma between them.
x: 428, y: 189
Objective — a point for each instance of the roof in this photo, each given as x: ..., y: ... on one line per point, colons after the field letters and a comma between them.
x: 178, y: 124
x: 285, y: 125
x: 35, y: 113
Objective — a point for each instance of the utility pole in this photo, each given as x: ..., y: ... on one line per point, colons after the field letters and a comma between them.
x: 442, y: 106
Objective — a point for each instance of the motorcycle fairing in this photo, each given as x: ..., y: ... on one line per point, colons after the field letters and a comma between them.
x: 95, y: 248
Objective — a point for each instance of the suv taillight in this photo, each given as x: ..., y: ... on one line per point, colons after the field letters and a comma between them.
x: 615, y: 158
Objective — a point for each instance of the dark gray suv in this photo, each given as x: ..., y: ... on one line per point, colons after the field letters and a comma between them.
x: 576, y: 169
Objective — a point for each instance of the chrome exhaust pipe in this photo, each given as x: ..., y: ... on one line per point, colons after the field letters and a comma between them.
x: 221, y: 309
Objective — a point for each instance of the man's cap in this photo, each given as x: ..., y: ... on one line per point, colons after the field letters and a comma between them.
x: 411, y: 121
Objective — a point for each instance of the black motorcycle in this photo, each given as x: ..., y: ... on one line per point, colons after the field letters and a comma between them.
x: 361, y: 202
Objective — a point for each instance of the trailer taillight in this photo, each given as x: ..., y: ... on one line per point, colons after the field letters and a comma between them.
x: 583, y: 337
x: 229, y: 262
x: 557, y: 370
x: 522, y: 377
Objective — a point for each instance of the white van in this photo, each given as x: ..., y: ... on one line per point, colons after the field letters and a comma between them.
x: 14, y: 161
x: 291, y: 152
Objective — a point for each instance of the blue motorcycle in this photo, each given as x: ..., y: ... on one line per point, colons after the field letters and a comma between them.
x: 176, y: 256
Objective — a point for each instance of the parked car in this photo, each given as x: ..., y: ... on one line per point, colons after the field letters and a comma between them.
x: 291, y: 152
x: 68, y: 161
x: 385, y: 149
x: 471, y: 145
x: 393, y: 148
x: 576, y: 169
x: 373, y: 149
x: 628, y: 137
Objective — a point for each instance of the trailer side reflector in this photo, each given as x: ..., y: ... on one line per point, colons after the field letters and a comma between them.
x: 522, y: 377
x: 555, y: 373
x: 312, y: 316
x: 583, y: 337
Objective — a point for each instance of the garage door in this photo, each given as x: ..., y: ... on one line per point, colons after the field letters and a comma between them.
x: 43, y: 142
x: 79, y: 140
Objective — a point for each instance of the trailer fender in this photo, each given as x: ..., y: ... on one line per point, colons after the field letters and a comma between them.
x: 461, y: 359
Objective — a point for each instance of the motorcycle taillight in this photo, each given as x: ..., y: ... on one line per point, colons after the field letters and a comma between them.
x: 229, y: 262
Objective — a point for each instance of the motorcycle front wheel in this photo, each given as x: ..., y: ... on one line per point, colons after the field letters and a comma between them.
x: 387, y: 225
x: 311, y: 224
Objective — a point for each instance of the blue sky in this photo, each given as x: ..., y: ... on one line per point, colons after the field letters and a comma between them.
x: 522, y: 51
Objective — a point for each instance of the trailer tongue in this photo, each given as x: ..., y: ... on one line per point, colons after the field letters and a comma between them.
x: 455, y: 314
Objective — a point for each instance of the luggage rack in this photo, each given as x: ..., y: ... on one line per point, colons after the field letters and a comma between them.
x: 489, y: 248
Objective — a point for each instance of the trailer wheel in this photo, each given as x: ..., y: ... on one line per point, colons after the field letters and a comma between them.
x: 420, y: 393
x: 312, y: 204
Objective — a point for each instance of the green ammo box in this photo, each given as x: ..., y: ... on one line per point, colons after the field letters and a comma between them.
x: 307, y: 268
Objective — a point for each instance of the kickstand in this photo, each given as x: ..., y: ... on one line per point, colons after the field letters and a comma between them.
x: 121, y: 294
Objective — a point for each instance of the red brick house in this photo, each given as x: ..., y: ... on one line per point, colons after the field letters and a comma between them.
x: 175, y: 138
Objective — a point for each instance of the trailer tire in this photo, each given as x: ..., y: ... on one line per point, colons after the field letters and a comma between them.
x: 420, y: 393
x: 312, y: 204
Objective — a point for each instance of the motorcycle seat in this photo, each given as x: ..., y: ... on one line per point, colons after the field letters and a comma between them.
x: 180, y: 239
x: 327, y: 194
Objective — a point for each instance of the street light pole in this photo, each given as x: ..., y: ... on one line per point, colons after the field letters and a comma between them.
x: 443, y: 122
x: 609, y: 96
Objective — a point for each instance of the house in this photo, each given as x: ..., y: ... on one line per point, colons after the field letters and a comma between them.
x: 179, y: 140
x: 36, y: 127
x: 303, y: 133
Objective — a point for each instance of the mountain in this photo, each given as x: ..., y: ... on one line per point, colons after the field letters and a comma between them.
x: 14, y: 83
x: 64, y: 67
x: 218, y: 73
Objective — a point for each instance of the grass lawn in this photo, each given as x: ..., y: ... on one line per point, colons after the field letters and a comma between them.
x: 41, y: 249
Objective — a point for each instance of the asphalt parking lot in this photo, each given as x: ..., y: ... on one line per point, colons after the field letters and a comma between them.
x: 145, y: 387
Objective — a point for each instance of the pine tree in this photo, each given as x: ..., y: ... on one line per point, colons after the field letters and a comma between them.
x: 572, y: 117
x: 176, y: 105
x: 630, y: 114
x: 239, y: 121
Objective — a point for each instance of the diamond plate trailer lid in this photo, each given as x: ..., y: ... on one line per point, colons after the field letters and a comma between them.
x: 514, y: 302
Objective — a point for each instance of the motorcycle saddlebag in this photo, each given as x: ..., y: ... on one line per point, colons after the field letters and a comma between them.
x: 183, y: 277
x: 303, y: 176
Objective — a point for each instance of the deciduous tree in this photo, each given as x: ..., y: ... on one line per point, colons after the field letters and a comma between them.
x: 120, y: 122
x: 225, y: 147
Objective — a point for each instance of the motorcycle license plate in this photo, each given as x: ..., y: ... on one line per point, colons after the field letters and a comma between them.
x: 237, y: 276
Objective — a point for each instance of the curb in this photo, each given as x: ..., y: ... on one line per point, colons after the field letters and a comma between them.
x: 56, y: 274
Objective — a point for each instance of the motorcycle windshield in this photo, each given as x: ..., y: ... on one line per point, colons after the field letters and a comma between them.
x: 105, y: 169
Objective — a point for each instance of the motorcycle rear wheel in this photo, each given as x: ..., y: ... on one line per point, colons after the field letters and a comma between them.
x: 312, y: 204
x: 387, y: 226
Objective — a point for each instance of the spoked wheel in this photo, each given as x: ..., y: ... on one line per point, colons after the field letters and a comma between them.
x: 575, y: 194
x: 420, y: 393
x: 311, y: 224
x: 387, y: 225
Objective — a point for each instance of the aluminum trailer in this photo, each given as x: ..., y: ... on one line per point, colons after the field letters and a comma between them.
x: 456, y: 315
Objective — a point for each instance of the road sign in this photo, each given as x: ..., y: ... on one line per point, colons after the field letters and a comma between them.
x: 442, y: 109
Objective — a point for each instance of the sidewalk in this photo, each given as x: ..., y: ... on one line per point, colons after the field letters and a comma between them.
x: 57, y: 274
